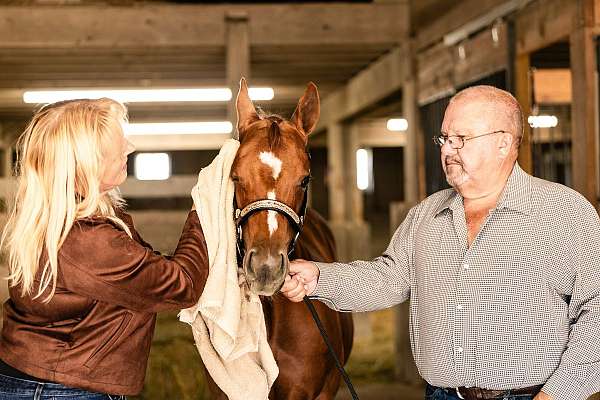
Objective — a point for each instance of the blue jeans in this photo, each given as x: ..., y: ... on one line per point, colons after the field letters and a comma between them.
x: 436, y: 393
x: 20, y: 389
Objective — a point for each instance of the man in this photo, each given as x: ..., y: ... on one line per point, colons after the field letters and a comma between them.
x: 502, y: 270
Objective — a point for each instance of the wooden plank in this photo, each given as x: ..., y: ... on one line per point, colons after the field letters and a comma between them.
x: 523, y: 95
x: 544, y: 23
x: 484, y: 54
x: 584, y: 112
x: 552, y: 86
x: 441, y: 69
x: 175, y: 186
x: 374, y: 133
x: 178, y: 142
x: 435, y: 73
x: 158, y: 25
x: 380, y: 80
x: 459, y: 15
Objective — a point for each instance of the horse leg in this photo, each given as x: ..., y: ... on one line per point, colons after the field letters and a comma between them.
x: 306, y: 369
x: 331, y: 387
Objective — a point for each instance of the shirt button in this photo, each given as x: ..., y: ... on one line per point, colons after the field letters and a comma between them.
x: 459, y: 307
x: 466, y: 266
x: 459, y: 349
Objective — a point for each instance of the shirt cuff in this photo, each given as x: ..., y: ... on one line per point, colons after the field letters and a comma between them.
x: 326, y: 289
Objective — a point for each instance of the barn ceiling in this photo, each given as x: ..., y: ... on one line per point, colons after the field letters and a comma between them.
x: 132, y: 44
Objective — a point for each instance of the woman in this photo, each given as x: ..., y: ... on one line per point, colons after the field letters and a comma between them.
x: 84, y: 287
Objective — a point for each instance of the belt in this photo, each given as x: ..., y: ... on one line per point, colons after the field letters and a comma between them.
x: 474, y: 393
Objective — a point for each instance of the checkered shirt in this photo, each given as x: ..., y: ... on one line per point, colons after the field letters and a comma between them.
x: 519, y: 307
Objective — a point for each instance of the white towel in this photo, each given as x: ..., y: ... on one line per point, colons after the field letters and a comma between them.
x: 228, y: 322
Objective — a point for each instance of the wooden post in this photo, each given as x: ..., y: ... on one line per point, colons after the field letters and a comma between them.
x: 411, y: 149
x: 335, y: 172
x: 337, y: 194
x: 405, y: 368
x: 353, y: 195
x: 583, y: 107
x: 522, y: 82
x: 238, y: 57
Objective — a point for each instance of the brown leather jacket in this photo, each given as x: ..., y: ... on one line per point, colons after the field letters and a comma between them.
x: 96, y: 331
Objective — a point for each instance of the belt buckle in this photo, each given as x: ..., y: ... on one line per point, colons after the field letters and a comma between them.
x: 460, y: 396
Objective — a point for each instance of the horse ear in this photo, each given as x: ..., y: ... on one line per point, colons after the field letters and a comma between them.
x: 246, y: 112
x: 308, y: 110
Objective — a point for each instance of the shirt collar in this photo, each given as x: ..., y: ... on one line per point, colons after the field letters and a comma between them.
x: 517, y: 192
x: 515, y: 196
x: 451, y: 202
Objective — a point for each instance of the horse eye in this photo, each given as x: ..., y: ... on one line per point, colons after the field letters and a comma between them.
x: 305, y: 181
x: 235, y: 178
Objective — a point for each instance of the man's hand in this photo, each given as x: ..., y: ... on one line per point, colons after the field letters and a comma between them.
x: 542, y: 396
x: 301, y: 281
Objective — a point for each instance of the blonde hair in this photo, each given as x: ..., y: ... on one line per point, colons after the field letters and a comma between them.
x: 59, y: 168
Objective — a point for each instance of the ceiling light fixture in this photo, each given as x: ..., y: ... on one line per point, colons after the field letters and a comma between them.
x: 145, y: 95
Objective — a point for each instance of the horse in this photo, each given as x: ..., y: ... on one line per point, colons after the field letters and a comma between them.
x: 271, y: 174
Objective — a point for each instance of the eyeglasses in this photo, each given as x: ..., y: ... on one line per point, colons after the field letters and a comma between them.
x: 457, y: 142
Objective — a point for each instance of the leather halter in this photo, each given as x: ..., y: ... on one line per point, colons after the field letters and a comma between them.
x: 297, y: 221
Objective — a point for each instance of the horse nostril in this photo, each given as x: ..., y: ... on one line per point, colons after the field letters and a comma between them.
x: 247, y: 263
x: 284, y: 263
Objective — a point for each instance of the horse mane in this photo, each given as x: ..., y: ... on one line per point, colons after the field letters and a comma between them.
x: 273, y: 131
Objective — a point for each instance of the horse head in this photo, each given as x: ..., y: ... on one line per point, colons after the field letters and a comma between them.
x: 271, y: 173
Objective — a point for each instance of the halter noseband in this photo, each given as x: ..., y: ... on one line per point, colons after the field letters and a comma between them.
x: 297, y: 221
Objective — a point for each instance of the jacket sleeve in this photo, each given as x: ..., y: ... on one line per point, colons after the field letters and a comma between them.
x: 101, y: 261
x: 134, y: 233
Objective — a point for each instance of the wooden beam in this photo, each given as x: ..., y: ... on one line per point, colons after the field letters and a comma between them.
x: 175, y: 186
x: 238, y: 59
x: 484, y: 54
x: 441, y: 69
x: 458, y: 16
x: 374, y: 133
x: 544, y: 23
x: 380, y: 80
x: 159, y: 25
x: 584, y: 106
x: 435, y: 73
x: 178, y: 142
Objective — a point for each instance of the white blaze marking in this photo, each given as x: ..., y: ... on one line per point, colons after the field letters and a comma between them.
x: 272, y: 215
x: 269, y: 159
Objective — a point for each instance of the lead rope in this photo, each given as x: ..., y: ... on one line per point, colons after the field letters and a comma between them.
x: 338, y: 364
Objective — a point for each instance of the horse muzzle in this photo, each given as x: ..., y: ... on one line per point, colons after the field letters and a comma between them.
x: 265, y: 271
